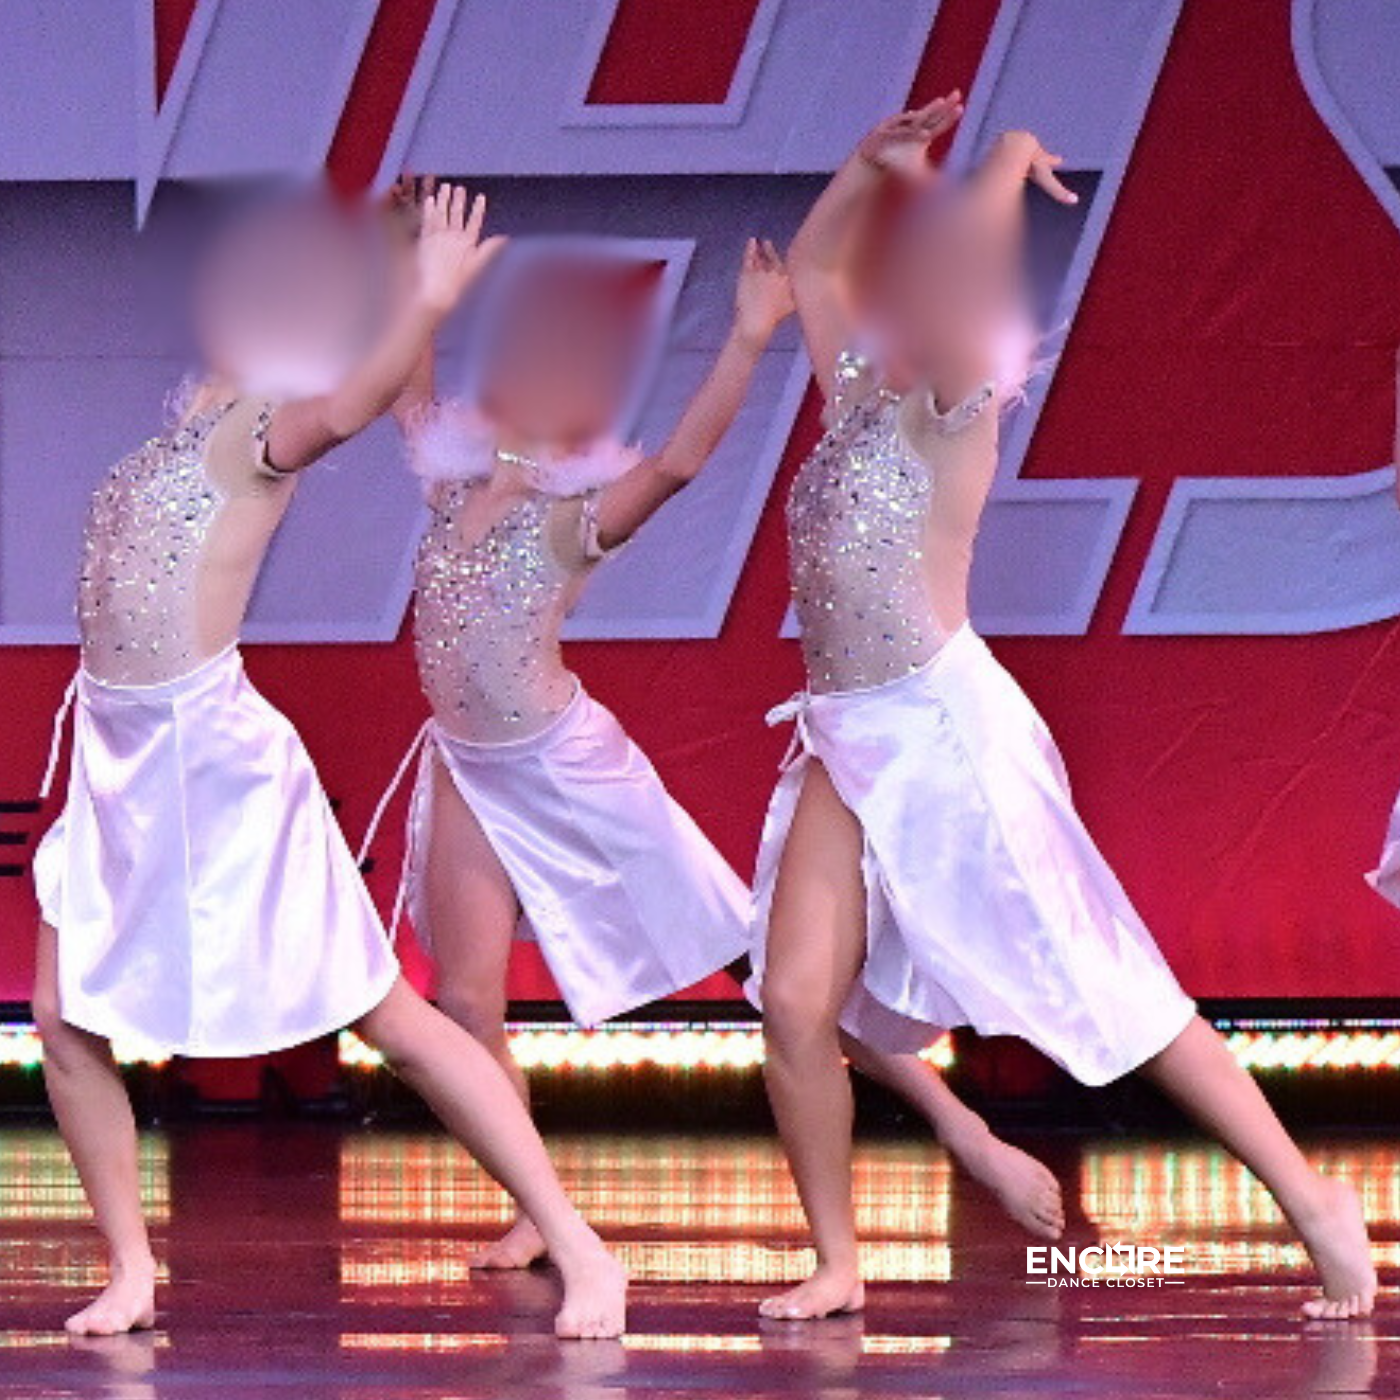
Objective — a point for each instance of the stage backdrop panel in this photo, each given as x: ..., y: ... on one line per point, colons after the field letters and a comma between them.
x: 1192, y: 561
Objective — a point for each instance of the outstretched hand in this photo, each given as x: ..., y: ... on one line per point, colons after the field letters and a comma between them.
x: 451, y: 251
x: 405, y: 199
x: 1037, y: 165
x: 1042, y: 173
x: 764, y: 297
x: 899, y: 144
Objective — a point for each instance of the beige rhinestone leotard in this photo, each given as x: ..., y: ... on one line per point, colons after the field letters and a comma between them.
x: 881, y: 524
x: 488, y: 611
x: 175, y: 536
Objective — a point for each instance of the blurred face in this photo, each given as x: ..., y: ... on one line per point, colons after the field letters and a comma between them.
x: 565, y: 347
x: 289, y: 296
x: 942, y: 299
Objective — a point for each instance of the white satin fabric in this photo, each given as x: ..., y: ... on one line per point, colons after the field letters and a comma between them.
x: 1385, y: 878
x: 627, y: 899
x: 205, y: 900
x: 988, y: 903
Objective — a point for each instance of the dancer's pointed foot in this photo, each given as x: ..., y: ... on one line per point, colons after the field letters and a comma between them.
x: 127, y: 1304
x: 521, y: 1246
x: 595, y: 1296
x: 1335, y: 1236
x: 828, y: 1292
x: 1026, y: 1188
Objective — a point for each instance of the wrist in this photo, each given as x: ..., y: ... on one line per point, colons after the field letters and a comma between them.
x: 428, y: 306
x: 1018, y: 145
x: 869, y: 166
x: 750, y: 340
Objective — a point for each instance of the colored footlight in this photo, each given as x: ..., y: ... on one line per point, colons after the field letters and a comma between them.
x: 548, y: 1047
x: 663, y: 1045
x: 1268, y: 1046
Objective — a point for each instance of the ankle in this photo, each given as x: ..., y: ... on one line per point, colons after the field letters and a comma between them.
x: 968, y: 1133
x: 580, y: 1251
x: 1314, y: 1200
x: 843, y: 1264
x: 136, y: 1263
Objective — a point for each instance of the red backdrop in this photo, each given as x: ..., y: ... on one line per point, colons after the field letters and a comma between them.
x: 1241, y: 318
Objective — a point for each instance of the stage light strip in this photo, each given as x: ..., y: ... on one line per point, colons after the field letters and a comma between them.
x: 739, y: 1046
x: 20, y: 1048
x: 666, y: 1045
x: 550, y: 1047
x: 1315, y: 1049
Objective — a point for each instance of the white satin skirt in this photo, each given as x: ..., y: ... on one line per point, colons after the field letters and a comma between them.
x: 627, y: 899
x: 988, y: 904
x: 1385, y: 878
x: 205, y: 900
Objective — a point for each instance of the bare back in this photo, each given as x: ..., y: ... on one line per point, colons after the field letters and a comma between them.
x: 176, y: 535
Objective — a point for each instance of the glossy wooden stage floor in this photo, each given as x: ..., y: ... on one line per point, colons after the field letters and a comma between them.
x: 306, y: 1262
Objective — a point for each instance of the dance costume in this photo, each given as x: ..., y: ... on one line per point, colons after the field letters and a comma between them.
x: 205, y: 901
x: 627, y: 899
x: 1385, y: 878
x: 987, y: 902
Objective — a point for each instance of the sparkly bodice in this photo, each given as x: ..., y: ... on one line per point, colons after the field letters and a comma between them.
x: 880, y: 535
x: 146, y: 530
x: 487, y: 618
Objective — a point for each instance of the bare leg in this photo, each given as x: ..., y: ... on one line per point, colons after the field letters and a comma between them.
x: 94, y: 1116
x: 472, y: 914
x: 816, y: 943
x: 1198, y: 1071
x: 476, y: 1101
x: 1027, y: 1189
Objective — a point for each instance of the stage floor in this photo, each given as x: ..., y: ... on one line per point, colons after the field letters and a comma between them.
x: 309, y: 1262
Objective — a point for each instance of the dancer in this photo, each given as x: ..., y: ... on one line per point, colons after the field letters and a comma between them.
x: 922, y: 864
x: 551, y: 810
x: 530, y: 797
x: 196, y: 892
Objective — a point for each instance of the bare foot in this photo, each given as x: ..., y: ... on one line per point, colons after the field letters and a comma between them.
x: 1335, y: 1236
x: 1027, y: 1189
x: 828, y: 1292
x: 595, y: 1296
x: 127, y: 1304
x: 521, y: 1246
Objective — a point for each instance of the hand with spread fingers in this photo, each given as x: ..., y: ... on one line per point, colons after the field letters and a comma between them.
x: 899, y: 144
x: 764, y: 297
x: 451, y: 251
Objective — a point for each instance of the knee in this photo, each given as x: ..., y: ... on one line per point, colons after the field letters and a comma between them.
x: 48, y: 1021
x: 389, y: 1027
x: 794, y: 1015
x: 57, y: 1037
x: 481, y: 1016
x: 395, y: 1043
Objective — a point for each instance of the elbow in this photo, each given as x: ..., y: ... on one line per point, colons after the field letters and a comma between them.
x: 341, y: 421
x: 802, y: 257
x: 673, y: 472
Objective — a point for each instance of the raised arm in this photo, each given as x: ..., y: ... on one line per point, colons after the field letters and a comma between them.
x: 819, y: 260
x: 763, y: 300
x: 419, y: 392
x: 1014, y: 158
x: 449, y: 256
x: 404, y: 211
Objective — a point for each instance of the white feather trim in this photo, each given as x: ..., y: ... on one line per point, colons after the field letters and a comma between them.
x: 453, y: 442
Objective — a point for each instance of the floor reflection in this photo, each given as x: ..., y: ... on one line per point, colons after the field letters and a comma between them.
x: 310, y: 1262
